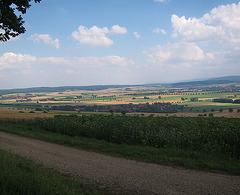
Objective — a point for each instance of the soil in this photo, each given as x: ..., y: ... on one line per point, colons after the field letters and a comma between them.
x: 117, y: 175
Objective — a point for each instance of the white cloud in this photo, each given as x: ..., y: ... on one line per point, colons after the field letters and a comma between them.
x: 96, y: 36
x: 116, y: 29
x: 24, y: 70
x: 136, y: 35
x: 221, y: 25
x: 25, y: 61
x: 105, y: 61
x: 186, y: 60
x: 176, y: 53
x: 16, y: 61
x: 46, y: 38
x: 161, y: 1
x: 158, y: 30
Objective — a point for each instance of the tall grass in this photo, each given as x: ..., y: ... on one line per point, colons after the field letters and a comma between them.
x: 21, y: 176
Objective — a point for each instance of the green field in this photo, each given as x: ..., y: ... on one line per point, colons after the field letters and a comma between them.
x: 127, y: 95
x: 210, y: 144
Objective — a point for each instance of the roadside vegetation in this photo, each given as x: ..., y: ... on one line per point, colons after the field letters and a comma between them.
x: 22, y: 176
x: 192, y: 142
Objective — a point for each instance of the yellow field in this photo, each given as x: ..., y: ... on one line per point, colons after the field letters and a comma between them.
x: 6, y: 113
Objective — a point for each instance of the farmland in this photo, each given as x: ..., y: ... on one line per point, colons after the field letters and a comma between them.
x: 148, y: 116
x: 194, y: 128
x: 131, y: 99
x: 213, y: 135
x: 200, y: 143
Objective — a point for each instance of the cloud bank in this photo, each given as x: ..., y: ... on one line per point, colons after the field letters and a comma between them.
x: 206, y: 46
x: 33, y: 71
x: 221, y: 25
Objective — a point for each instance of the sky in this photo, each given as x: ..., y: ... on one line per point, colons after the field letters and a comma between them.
x: 106, y: 42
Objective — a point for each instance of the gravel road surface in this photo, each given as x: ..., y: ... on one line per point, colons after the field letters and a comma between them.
x: 120, y: 176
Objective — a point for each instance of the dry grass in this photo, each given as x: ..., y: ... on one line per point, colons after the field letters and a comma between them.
x: 6, y: 113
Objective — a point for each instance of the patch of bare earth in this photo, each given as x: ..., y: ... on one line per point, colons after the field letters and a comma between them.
x: 120, y: 176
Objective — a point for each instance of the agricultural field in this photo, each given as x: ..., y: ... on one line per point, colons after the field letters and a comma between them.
x: 173, y: 126
x: 157, y: 99
x: 202, y: 143
x: 216, y: 135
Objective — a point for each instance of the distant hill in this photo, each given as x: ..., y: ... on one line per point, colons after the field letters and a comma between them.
x: 60, y: 89
x: 228, y: 78
x: 213, y: 81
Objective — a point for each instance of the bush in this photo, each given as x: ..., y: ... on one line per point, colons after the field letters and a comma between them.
x: 210, y: 115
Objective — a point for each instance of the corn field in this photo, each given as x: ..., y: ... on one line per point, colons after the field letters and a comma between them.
x: 211, y: 135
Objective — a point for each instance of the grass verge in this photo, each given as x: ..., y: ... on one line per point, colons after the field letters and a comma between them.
x: 165, y: 156
x: 22, y: 176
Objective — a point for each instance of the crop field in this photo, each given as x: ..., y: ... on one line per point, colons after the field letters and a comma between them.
x: 213, y: 135
x: 9, y: 113
x: 195, y: 102
x: 179, y: 127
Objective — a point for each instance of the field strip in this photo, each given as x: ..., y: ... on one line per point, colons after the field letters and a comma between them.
x: 119, y: 175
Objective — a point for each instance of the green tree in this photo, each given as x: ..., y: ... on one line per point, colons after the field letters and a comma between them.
x: 220, y: 110
x: 123, y: 112
x: 194, y: 99
x: 230, y: 110
x: 210, y: 115
x: 10, y: 22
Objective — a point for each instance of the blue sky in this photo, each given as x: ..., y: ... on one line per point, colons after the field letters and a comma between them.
x: 98, y: 42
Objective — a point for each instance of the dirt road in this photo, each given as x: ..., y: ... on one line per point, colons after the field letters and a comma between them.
x: 118, y: 175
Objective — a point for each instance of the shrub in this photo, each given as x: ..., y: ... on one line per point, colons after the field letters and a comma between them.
x: 210, y: 115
